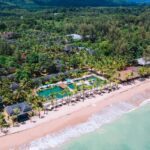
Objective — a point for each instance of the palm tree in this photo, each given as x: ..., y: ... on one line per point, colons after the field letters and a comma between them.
x: 26, y: 84
x: 98, y: 84
x: 75, y: 90
x: 19, y: 94
x: 43, y: 100
x: 117, y: 83
x: 143, y: 71
x: 2, y: 122
x: 111, y: 81
x: 69, y: 95
x: 53, y: 100
x: 83, y: 88
x: 30, y: 114
x: 8, y: 100
x: 37, y: 104
x: 16, y: 95
x: 38, y: 109
x: 66, y: 92
x: 15, y: 115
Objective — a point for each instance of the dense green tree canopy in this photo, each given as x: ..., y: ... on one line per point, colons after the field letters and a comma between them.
x: 38, y: 43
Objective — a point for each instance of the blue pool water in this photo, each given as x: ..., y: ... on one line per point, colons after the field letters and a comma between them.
x: 55, y: 90
x: 59, y: 92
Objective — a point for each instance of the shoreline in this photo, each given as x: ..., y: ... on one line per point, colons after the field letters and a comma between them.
x: 134, y: 94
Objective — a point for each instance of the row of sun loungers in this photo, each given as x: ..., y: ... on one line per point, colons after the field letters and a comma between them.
x: 81, y: 96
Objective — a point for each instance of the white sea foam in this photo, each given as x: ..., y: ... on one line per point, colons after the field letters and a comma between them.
x: 145, y: 102
x: 96, y: 121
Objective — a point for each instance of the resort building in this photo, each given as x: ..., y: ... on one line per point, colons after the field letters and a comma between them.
x: 128, y: 74
x: 18, y: 112
x: 62, y: 85
x: 143, y: 62
x: 75, y: 36
x: 8, y: 35
x: 14, y: 86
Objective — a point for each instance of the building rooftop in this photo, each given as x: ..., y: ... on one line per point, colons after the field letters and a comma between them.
x: 143, y: 62
x: 8, y: 35
x: 124, y: 74
x: 63, y: 86
x: 75, y: 36
x: 23, y: 107
x: 14, y: 86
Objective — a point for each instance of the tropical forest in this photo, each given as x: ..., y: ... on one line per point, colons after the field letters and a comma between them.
x: 47, y: 45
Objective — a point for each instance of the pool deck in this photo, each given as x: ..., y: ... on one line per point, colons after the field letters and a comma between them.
x: 65, y: 84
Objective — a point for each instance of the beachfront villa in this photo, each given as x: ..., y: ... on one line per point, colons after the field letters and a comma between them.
x: 17, y: 112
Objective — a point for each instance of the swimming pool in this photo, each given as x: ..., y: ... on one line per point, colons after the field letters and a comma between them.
x: 71, y: 86
x: 60, y: 93
x: 49, y: 91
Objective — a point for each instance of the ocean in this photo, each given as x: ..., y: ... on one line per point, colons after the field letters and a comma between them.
x: 118, y: 127
x: 130, y: 132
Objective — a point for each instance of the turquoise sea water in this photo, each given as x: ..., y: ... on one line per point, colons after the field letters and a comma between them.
x: 130, y: 132
x: 110, y: 129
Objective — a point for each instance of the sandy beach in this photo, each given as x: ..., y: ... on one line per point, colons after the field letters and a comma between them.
x: 66, y: 116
